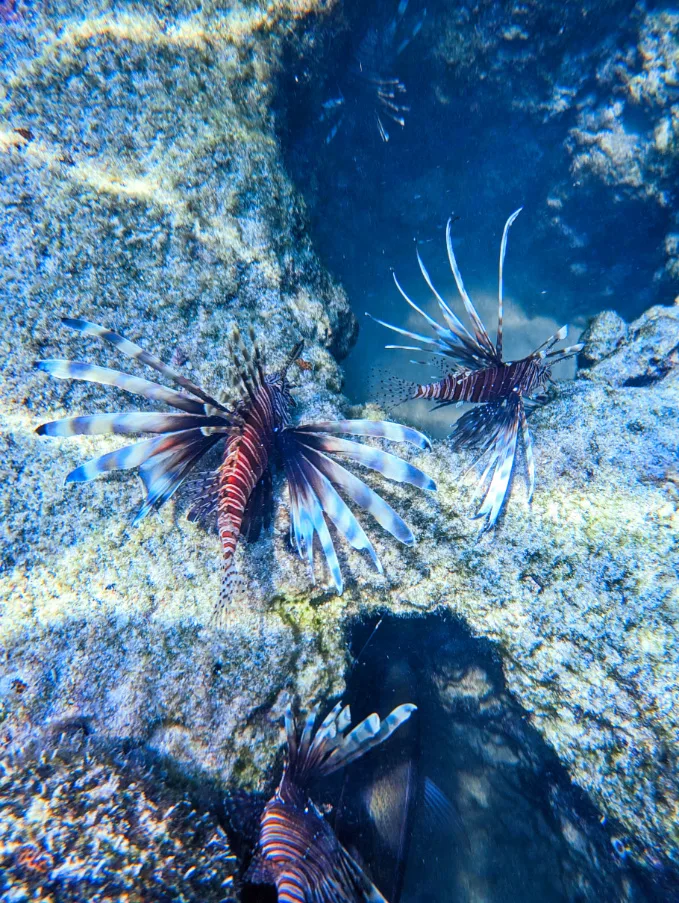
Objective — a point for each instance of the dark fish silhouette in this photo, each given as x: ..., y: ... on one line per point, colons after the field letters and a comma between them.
x: 370, y: 81
x: 502, y: 388
x: 385, y: 799
x: 255, y: 433
x: 297, y: 849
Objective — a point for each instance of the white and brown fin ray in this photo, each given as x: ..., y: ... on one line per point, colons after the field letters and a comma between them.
x: 129, y: 349
x: 248, y: 366
x: 500, y: 291
x: 562, y: 354
x: 492, y: 430
x: 462, y: 344
x: 81, y: 370
x: 314, y: 478
x: 312, y: 522
x: 335, y: 744
x: 377, y: 429
x: 390, y: 466
x: 480, y: 333
x: 127, y: 423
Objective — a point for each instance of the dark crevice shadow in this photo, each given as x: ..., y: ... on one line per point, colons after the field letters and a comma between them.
x: 507, y: 824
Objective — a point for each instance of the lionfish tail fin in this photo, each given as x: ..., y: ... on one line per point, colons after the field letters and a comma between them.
x: 316, y: 753
x: 232, y: 588
x: 391, y: 391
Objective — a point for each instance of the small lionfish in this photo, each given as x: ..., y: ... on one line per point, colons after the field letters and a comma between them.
x: 256, y: 432
x: 367, y: 75
x: 502, y: 388
x: 297, y: 849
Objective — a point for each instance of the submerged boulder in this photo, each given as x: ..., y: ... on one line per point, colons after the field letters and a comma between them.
x: 142, y: 187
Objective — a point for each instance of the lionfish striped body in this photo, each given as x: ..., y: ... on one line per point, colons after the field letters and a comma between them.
x: 503, y: 389
x: 297, y: 850
x: 257, y: 435
x: 246, y: 462
x: 487, y: 385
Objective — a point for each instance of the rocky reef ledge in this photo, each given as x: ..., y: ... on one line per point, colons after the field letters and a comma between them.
x: 142, y: 187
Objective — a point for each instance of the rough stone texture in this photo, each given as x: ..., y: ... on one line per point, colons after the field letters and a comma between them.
x: 144, y: 190
x: 170, y: 236
x: 637, y: 356
x: 85, y: 822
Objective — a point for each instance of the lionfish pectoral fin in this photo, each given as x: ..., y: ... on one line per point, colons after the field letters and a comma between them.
x: 491, y: 429
x: 377, y: 429
x: 502, y: 455
x: 129, y: 349
x: 390, y: 466
x: 306, y: 517
x: 355, y: 489
x: 164, y: 473
x: 314, y: 477
x: 81, y: 370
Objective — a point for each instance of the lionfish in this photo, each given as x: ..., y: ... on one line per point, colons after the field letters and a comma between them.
x: 503, y: 389
x: 297, y: 849
x: 367, y: 75
x: 256, y: 434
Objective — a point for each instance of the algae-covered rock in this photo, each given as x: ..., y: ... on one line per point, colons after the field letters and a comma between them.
x: 142, y: 187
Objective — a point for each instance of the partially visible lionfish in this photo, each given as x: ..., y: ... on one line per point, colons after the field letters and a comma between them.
x: 256, y: 433
x: 370, y: 78
x: 297, y: 849
x: 502, y: 388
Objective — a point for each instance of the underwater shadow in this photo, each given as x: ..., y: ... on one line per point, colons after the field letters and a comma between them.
x: 468, y: 802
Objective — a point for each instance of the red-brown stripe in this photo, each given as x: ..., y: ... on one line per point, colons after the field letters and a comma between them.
x: 486, y: 385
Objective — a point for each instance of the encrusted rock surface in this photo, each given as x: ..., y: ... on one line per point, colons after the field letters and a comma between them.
x: 83, y: 821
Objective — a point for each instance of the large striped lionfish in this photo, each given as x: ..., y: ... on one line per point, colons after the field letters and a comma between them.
x: 370, y: 78
x: 297, y: 849
x: 503, y: 389
x: 256, y: 435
